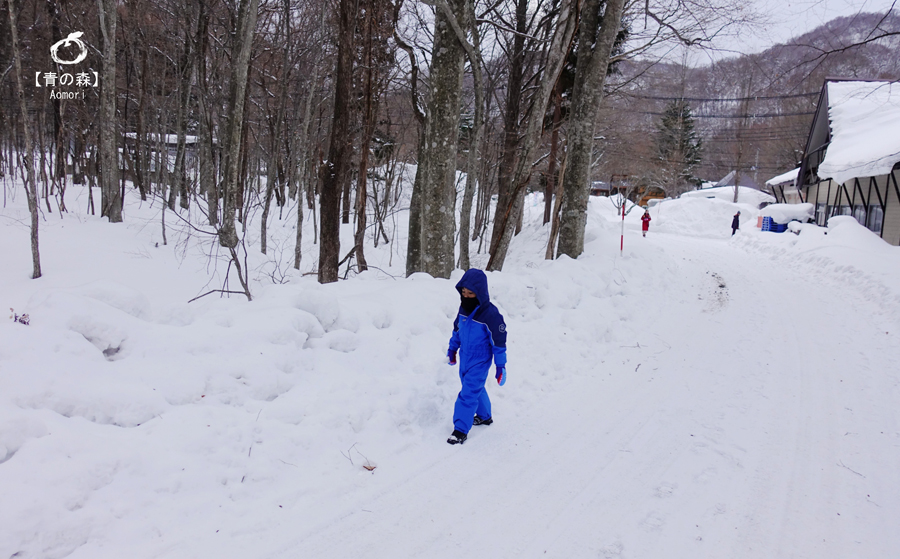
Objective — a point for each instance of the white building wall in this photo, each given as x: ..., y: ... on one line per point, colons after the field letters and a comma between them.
x: 891, y: 231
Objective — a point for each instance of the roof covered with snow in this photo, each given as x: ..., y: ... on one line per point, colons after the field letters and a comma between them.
x: 744, y: 180
x: 864, y: 118
x: 790, y: 176
x: 165, y: 138
x: 746, y: 195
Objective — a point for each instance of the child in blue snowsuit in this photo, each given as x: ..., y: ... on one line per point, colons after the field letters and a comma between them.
x: 479, y: 334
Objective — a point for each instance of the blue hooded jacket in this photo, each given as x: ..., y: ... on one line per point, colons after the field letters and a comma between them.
x: 481, y: 336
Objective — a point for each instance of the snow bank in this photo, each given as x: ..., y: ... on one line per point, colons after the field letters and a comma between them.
x: 844, y: 253
x: 691, y: 215
x: 864, y: 117
x: 785, y: 213
x: 746, y: 195
x: 846, y: 231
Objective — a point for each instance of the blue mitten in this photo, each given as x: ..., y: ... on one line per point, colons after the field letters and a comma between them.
x: 501, y: 375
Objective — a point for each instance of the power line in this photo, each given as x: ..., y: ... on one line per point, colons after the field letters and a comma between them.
x: 753, y: 140
x: 747, y: 116
x: 792, y: 128
x: 724, y: 99
x: 764, y: 115
x: 767, y: 164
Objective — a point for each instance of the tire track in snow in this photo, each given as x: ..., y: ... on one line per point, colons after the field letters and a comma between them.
x: 796, y: 487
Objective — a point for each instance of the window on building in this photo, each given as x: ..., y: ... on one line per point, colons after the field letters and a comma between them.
x: 859, y: 212
x: 875, y: 218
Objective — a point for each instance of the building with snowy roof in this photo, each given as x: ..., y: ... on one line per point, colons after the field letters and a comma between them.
x: 742, y: 180
x: 784, y: 186
x: 746, y: 195
x: 851, y: 164
x: 160, y: 152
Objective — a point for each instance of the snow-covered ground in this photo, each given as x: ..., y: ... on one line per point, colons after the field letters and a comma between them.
x: 697, y: 395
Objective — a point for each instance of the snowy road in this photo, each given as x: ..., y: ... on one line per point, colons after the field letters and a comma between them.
x: 755, y: 419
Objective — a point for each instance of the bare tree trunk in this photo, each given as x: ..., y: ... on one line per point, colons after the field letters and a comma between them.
x: 110, y: 197
x: 551, y: 166
x: 141, y: 167
x: 206, y: 148
x: 507, y: 168
x: 305, y: 156
x: 438, y: 162
x: 414, y: 239
x: 42, y: 166
x: 271, y: 184
x: 554, y: 226
x: 345, y: 194
x: 482, y: 207
x: 59, y: 169
x: 298, y: 253
x: 594, y: 49
x: 28, y: 156
x: 381, y: 207
x: 163, y: 222
x: 206, y: 155
x: 521, y: 214
x: 274, y: 167
x: 359, y: 237
x: 337, y: 168
x: 473, y: 52
x: 368, y: 128
x: 555, y: 58
x: 246, y: 25
x: 244, y: 180
x: 414, y: 242
x: 184, y: 99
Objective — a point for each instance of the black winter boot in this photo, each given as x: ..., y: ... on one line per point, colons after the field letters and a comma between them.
x: 457, y: 437
x: 479, y: 421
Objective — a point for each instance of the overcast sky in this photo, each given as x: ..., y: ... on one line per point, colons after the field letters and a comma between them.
x: 791, y: 18
x: 786, y: 19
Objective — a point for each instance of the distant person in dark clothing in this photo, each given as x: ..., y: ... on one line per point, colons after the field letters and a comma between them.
x: 735, y: 223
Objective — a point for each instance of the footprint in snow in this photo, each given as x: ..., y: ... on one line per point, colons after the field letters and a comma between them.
x: 653, y: 522
x: 665, y: 490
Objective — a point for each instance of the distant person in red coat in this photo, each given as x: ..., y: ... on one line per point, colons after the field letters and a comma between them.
x: 645, y: 225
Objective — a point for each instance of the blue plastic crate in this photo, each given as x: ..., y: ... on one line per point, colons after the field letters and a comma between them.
x: 769, y: 225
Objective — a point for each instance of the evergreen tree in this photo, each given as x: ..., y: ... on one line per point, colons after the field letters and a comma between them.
x: 678, y: 146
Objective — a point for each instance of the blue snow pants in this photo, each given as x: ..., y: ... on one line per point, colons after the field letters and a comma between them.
x: 473, y: 398
x: 477, y: 351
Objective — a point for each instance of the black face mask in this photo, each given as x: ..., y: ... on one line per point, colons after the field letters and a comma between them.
x: 468, y: 304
